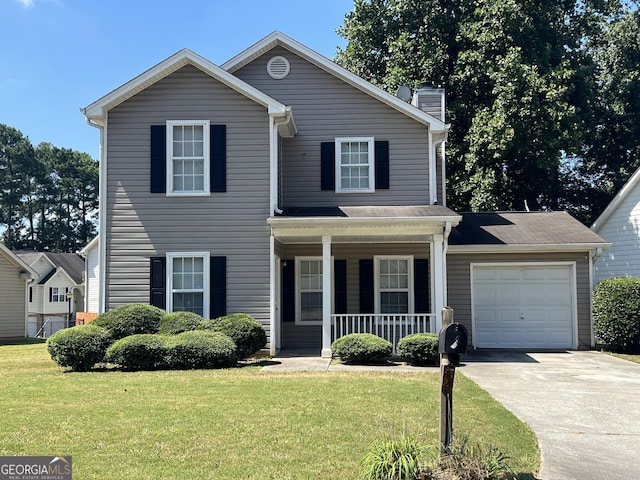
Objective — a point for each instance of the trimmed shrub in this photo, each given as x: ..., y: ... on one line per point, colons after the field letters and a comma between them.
x: 420, y: 348
x: 248, y: 334
x: 200, y: 349
x: 130, y: 319
x: 616, y: 314
x: 79, y: 347
x: 361, y: 348
x: 144, y: 351
x: 178, y: 322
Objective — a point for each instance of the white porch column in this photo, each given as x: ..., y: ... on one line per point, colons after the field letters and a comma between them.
x: 274, y: 321
x: 326, y: 296
x: 438, y: 279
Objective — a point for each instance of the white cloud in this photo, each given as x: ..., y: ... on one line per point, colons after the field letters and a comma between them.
x: 26, y: 3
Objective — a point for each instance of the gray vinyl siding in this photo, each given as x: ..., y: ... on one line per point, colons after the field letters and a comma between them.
x: 325, y: 107
x: 309, y: 336
x: 140, y: 225
x: 459, y: 285
x: 13, y: 315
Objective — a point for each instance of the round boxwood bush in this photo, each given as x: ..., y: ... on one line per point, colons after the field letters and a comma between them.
x: 200, y: 349
x: 79, y: 347
x: 248, y: 334
x: 144, y: 351
x: 130, y: 319
x: 616, y: 314
x: 361, y: 348
x: 178, y: 322
x: 419, y: 348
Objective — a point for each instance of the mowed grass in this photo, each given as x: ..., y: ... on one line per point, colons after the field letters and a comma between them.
x: 625, y: 356
x: 242, y: 423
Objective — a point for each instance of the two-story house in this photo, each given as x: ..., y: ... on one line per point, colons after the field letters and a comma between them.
x: 56, y: 292
x: 282, y: 185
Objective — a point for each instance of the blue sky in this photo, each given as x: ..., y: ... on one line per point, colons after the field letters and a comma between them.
x: 61, y: 55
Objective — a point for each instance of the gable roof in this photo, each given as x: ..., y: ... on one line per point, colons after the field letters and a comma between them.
x: 280, y: 39
x: 97, y: 110
x: 71, y: 263
x: 523, y: 231
x: 624, y: 192
x: 17, y: 261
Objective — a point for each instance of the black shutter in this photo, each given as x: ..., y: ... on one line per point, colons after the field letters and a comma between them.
x: 50, y: 294
x: 421, y: 285
x: 382, y: 164
x: 340, y: 286
x: 327, y: 165
x: 218, y: 160
x: 288, y: 291
x: 157, y: 295
x: 158, y: 159
x: 367, y: 294
x: 218, y: 298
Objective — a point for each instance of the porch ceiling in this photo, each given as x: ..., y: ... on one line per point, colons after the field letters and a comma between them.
x: 370, y: 224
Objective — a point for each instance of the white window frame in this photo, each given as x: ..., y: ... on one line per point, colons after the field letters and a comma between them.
x: 205, y: 284
x: 376, y: 280
x: 205, y: 124
x: 371, y: 164
x: 55, y: 297
x: 298, y: 272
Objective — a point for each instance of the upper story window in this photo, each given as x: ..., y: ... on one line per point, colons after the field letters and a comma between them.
x: 355, y: 164
x: 188, y: 157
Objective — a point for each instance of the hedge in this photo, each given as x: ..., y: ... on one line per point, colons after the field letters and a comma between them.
x: 79, y: 347
x: 130, y: 319
x: 420, y: 348
x: 361, y: 348
x: 178, y: 322
x: 616, y: 314
x: 146, y: 351
x: 200, y: 349
x: 248, y: 334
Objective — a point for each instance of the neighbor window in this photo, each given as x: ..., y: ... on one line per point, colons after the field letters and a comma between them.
x: 394, y: 284
x: 58, y: 294
x: 188, y: 157
x: 354, y: 164
x: 188, y: 283
x: 309, y: 282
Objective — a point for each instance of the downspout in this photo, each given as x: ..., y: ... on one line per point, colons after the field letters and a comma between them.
x: 433, y: 188
x: 102, y: 250
x: 274, y: 122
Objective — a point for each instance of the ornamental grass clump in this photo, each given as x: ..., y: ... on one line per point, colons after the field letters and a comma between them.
x: 362, y: 348
x: 394, y: 459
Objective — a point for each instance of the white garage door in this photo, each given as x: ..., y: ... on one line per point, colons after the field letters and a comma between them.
x: 523, y: 306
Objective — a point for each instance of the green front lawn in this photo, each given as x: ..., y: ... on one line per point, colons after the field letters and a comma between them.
x: 631, y: 358
x: 231, y: 424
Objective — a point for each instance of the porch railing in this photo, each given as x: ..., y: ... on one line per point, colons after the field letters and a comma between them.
x: 390, y: 326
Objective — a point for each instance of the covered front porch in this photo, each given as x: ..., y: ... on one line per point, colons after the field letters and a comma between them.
x: 343, y: 270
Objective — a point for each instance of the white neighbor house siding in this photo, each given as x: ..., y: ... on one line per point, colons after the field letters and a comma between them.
x: 622, y: 229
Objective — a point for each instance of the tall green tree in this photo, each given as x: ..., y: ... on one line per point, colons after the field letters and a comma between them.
x: 519, y: 79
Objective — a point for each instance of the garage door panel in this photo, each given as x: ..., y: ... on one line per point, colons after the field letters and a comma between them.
x: 523, y: 307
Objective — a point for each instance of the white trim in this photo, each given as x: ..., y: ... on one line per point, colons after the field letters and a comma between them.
x: 206, y: 142
x: 297, y: 260
x: 370, y: 141
x: 274, y: 288
x: 277, y: 38
x: 376, y: 281
x: 19, y: 262
x: 617, y: 201
x: 206, y: 266
x: 97, y: 110
x: 527, y: 248
x: 573, y: 286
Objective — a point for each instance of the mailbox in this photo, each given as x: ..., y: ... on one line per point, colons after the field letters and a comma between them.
x: 453, y: 339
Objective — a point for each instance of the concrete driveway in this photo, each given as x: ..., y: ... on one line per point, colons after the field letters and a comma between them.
x: 583, y: 406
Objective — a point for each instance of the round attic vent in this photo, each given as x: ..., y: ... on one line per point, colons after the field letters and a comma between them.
x: 278, y: 67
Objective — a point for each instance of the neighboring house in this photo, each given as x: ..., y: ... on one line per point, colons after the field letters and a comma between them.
x: 91, y: 279
x: 56, y: 293
x: 620, y: 224
x: 284, y: 186
x: 15, y: 275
